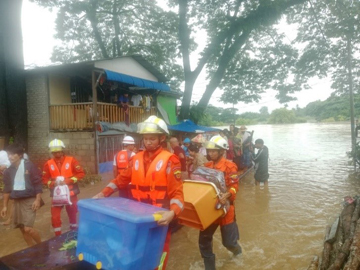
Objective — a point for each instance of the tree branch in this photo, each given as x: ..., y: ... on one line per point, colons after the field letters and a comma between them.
x: 116, y: 22
x: 91, y: 15
x: 263, y: 15
x: 184, y: 37
x: 224, y: 61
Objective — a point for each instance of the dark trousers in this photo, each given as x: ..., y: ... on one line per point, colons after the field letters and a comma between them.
x: 229, y: 236
x: 246, y: 157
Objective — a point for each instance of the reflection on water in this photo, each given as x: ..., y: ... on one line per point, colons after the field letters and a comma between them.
x: 282, y: 226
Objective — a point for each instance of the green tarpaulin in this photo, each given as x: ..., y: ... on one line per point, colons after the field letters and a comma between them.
x: 168, y: 105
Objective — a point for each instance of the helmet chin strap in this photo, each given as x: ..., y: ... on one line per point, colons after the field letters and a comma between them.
x: 153, y: 150
x: 156, y: 148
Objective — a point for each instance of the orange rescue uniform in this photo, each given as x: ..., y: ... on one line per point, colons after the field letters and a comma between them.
x: 229, y: 229
x: 122, y: 160
x: 229, y: 169
x: 73, y: 173
x: 154, y: 180
x: 69, y: 168
x: 166, y: 174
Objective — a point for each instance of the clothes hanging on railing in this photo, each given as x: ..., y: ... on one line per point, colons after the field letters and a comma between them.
x: 147, y: 103
x: 136, y: 99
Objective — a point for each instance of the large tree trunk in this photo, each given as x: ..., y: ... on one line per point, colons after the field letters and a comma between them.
x: 224, y: 60
x: 12, y: 70
x: 267, y: 13
x: 91, y: 15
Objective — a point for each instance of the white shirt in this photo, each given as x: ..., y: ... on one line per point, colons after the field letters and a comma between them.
x: 245, y: 136
x: 136, y: 100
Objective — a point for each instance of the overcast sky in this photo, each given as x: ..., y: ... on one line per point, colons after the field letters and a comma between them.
x: 38, y: 31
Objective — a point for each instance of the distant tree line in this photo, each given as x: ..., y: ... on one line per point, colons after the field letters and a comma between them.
x: 335, y: 108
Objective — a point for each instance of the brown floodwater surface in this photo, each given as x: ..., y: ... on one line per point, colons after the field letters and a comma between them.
x: 282, y: 226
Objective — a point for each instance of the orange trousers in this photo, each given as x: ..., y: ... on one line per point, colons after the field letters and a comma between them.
x: 71, y: 211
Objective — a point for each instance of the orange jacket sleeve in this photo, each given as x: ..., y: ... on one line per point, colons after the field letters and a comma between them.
x: 78, y: 173
x: 232, y: 179
x: 46, y: 176
x: 120, y: 182
x: 175, y: 185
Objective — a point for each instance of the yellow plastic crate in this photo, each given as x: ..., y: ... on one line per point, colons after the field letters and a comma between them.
x: 200, y: 200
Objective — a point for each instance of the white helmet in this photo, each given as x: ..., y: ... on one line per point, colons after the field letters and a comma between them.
x: 217, y: 142
x: 56, y: 145
x: 153, y: 125
x: 128, y: 140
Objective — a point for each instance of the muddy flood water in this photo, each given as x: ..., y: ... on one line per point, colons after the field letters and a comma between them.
x: 282, y: 226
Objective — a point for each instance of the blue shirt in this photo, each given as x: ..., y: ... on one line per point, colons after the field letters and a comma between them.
x: 123, y: 99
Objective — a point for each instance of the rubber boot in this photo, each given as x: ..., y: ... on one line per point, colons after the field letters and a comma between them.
x: 209, y: 263
x: 235, y: 250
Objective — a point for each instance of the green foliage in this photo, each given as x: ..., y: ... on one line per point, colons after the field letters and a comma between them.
x: 68, y: 245
x: 92, y: 30
x: 282, y: 116
x: 264, y: 111
x: 328, y: 120
x: 326, y: 28
x: 244, y: 121
x: 244, y: 54
x: 335, y: 108
x: 90, y: 178
x: 355, y: 153
x: 215, y: 116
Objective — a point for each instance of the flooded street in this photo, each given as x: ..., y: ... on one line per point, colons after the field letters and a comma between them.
x: 283, y: 226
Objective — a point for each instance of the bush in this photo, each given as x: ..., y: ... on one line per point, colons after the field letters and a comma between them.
x: 340, y: 118
x: 301, y: 120
x: 282, y: 116
x: 245, y: 122
x: 90, y: 178
x: 328, y: 120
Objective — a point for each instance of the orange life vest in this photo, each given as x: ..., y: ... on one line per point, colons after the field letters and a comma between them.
x: 151, y: 187
x: 66, y: 171
x: 122, y: 161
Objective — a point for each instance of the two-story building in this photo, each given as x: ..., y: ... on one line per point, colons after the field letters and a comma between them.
x: 72, y: 101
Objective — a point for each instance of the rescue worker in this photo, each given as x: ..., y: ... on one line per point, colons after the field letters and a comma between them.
x: 153, y: 177
x: 122, y: 158
x: 67, y: 167
x: 216, y: 148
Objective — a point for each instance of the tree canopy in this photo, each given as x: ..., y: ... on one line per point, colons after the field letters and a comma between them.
x: 92, y: 30
x: 244, y: 53
x: 326, y: 30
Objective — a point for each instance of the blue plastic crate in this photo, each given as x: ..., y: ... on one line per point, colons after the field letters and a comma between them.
x: 117, y: 233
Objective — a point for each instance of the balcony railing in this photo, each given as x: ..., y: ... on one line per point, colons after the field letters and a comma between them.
x: 79, y: 116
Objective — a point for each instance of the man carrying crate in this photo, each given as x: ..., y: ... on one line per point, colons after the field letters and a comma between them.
x: 153, y: 177
x: 216, y: 148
